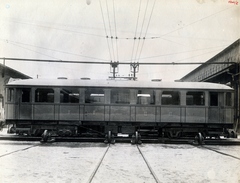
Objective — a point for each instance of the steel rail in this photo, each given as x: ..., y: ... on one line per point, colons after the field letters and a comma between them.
x: 98, y: 165
x: 24, y: 149
x: 219, y: 152
x: 148, y: 165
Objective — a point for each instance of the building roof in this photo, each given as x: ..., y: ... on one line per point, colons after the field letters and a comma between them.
x: 211, y: 60
x: 5, y: 70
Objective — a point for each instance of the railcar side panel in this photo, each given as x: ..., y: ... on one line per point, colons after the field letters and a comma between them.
x: 214, y: 115
x: 170, y: 114
x: 196, y: 114
x: 145, y: 114
x: 133, y: 113
x: 93, y: 113
x: 69, y: 112
x: 183, y: 114
x: 25, y: 111
x: 10, y: 111
x: 43, y: 112
x: 228, y: 115
x: 120, y: 113
x: 106, y: 113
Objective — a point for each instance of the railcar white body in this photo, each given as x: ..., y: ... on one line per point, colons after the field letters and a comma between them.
x: 97, y: 107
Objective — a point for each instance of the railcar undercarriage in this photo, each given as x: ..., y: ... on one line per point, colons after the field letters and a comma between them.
x: 128, y: 130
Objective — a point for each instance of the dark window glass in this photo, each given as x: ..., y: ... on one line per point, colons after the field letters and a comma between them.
x: 195, y: 98
x: 94, y: 95
x: 44, y: 95
x: 120, y: 96
x: 170, y: 98
x: 69, y: 95
x: 10, y: 94
x: 213, y: 99
x: 228, y: 99
x: 145, y: 97
x: 26, y: 92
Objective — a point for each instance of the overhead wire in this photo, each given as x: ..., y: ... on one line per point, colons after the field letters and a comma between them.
x: 110, y: 55
x: 139, y: 39
x: 135, y: 34
x: 55, y: 28
x: 157, y: 37
x: 48, y: 49
x: 170, y: 54
x: 115, y: 23
x: 110, y: 30
x: 147, y: 28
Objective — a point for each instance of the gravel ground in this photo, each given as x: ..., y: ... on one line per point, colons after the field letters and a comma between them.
x: 185, y: 163
x: 75, y: 162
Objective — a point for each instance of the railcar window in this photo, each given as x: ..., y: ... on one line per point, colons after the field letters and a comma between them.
x: 170, y: 98
x: 145, y: 97
x: 195, y: 98
x: 44, y: 95
x: 120, y: 96
x: 69, y: 95
x: 94, y: 95
x: 10, y: 94
x: 228, y: 99
x: 213, y: 99
x: 26, y: 92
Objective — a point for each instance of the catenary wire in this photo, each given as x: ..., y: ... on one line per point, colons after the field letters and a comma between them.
x: 105, y: 29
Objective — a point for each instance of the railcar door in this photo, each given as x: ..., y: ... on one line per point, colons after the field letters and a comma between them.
x: 145, y: 108
x: 228, y: 108
x: 170, y: 106
x: 216, y: 107
x: 10, y: 104
x: 196, y: 107
x: 24, y: 106
x: 94, y: 104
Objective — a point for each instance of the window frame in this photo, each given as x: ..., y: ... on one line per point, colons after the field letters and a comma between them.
x: 98, y: 93
x: 172, y: 101
x: 69, y: 96
x: 202, y: 101
x: 122, y: 92
x: 43, y: 101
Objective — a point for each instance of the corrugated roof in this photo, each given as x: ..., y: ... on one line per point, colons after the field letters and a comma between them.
x: 236, y: 43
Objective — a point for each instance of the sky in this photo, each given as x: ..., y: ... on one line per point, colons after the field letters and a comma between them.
x: 143, y: 31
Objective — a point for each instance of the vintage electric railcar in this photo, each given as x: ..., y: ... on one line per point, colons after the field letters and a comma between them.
x: 109, y: 107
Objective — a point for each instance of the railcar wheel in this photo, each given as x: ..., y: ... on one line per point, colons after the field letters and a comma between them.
x: 45, y: 136
x: 199, y: 138
x: 136, y: 138
x: 109, y: 138
x: 233, y: 134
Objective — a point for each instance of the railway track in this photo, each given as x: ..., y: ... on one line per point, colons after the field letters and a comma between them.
x: 133, y: 158
x: 148, y: 165
x: 219, y: 152
x: 125, y: 140
x: 19, y: 150
x: 97, y: 167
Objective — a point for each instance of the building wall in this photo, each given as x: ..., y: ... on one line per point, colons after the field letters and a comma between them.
x: 227, y: 71
x: 5, y: 74
x: 209, y: 69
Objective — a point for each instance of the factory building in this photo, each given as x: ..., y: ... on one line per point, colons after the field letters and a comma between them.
x: 223, y: 68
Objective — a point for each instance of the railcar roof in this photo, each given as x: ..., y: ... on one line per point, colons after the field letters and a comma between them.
x: 117, y: 83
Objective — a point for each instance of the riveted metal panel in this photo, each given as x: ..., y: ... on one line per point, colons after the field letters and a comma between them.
x: 120, y: 113
x: 170, y: 114
x: 145, y: 114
